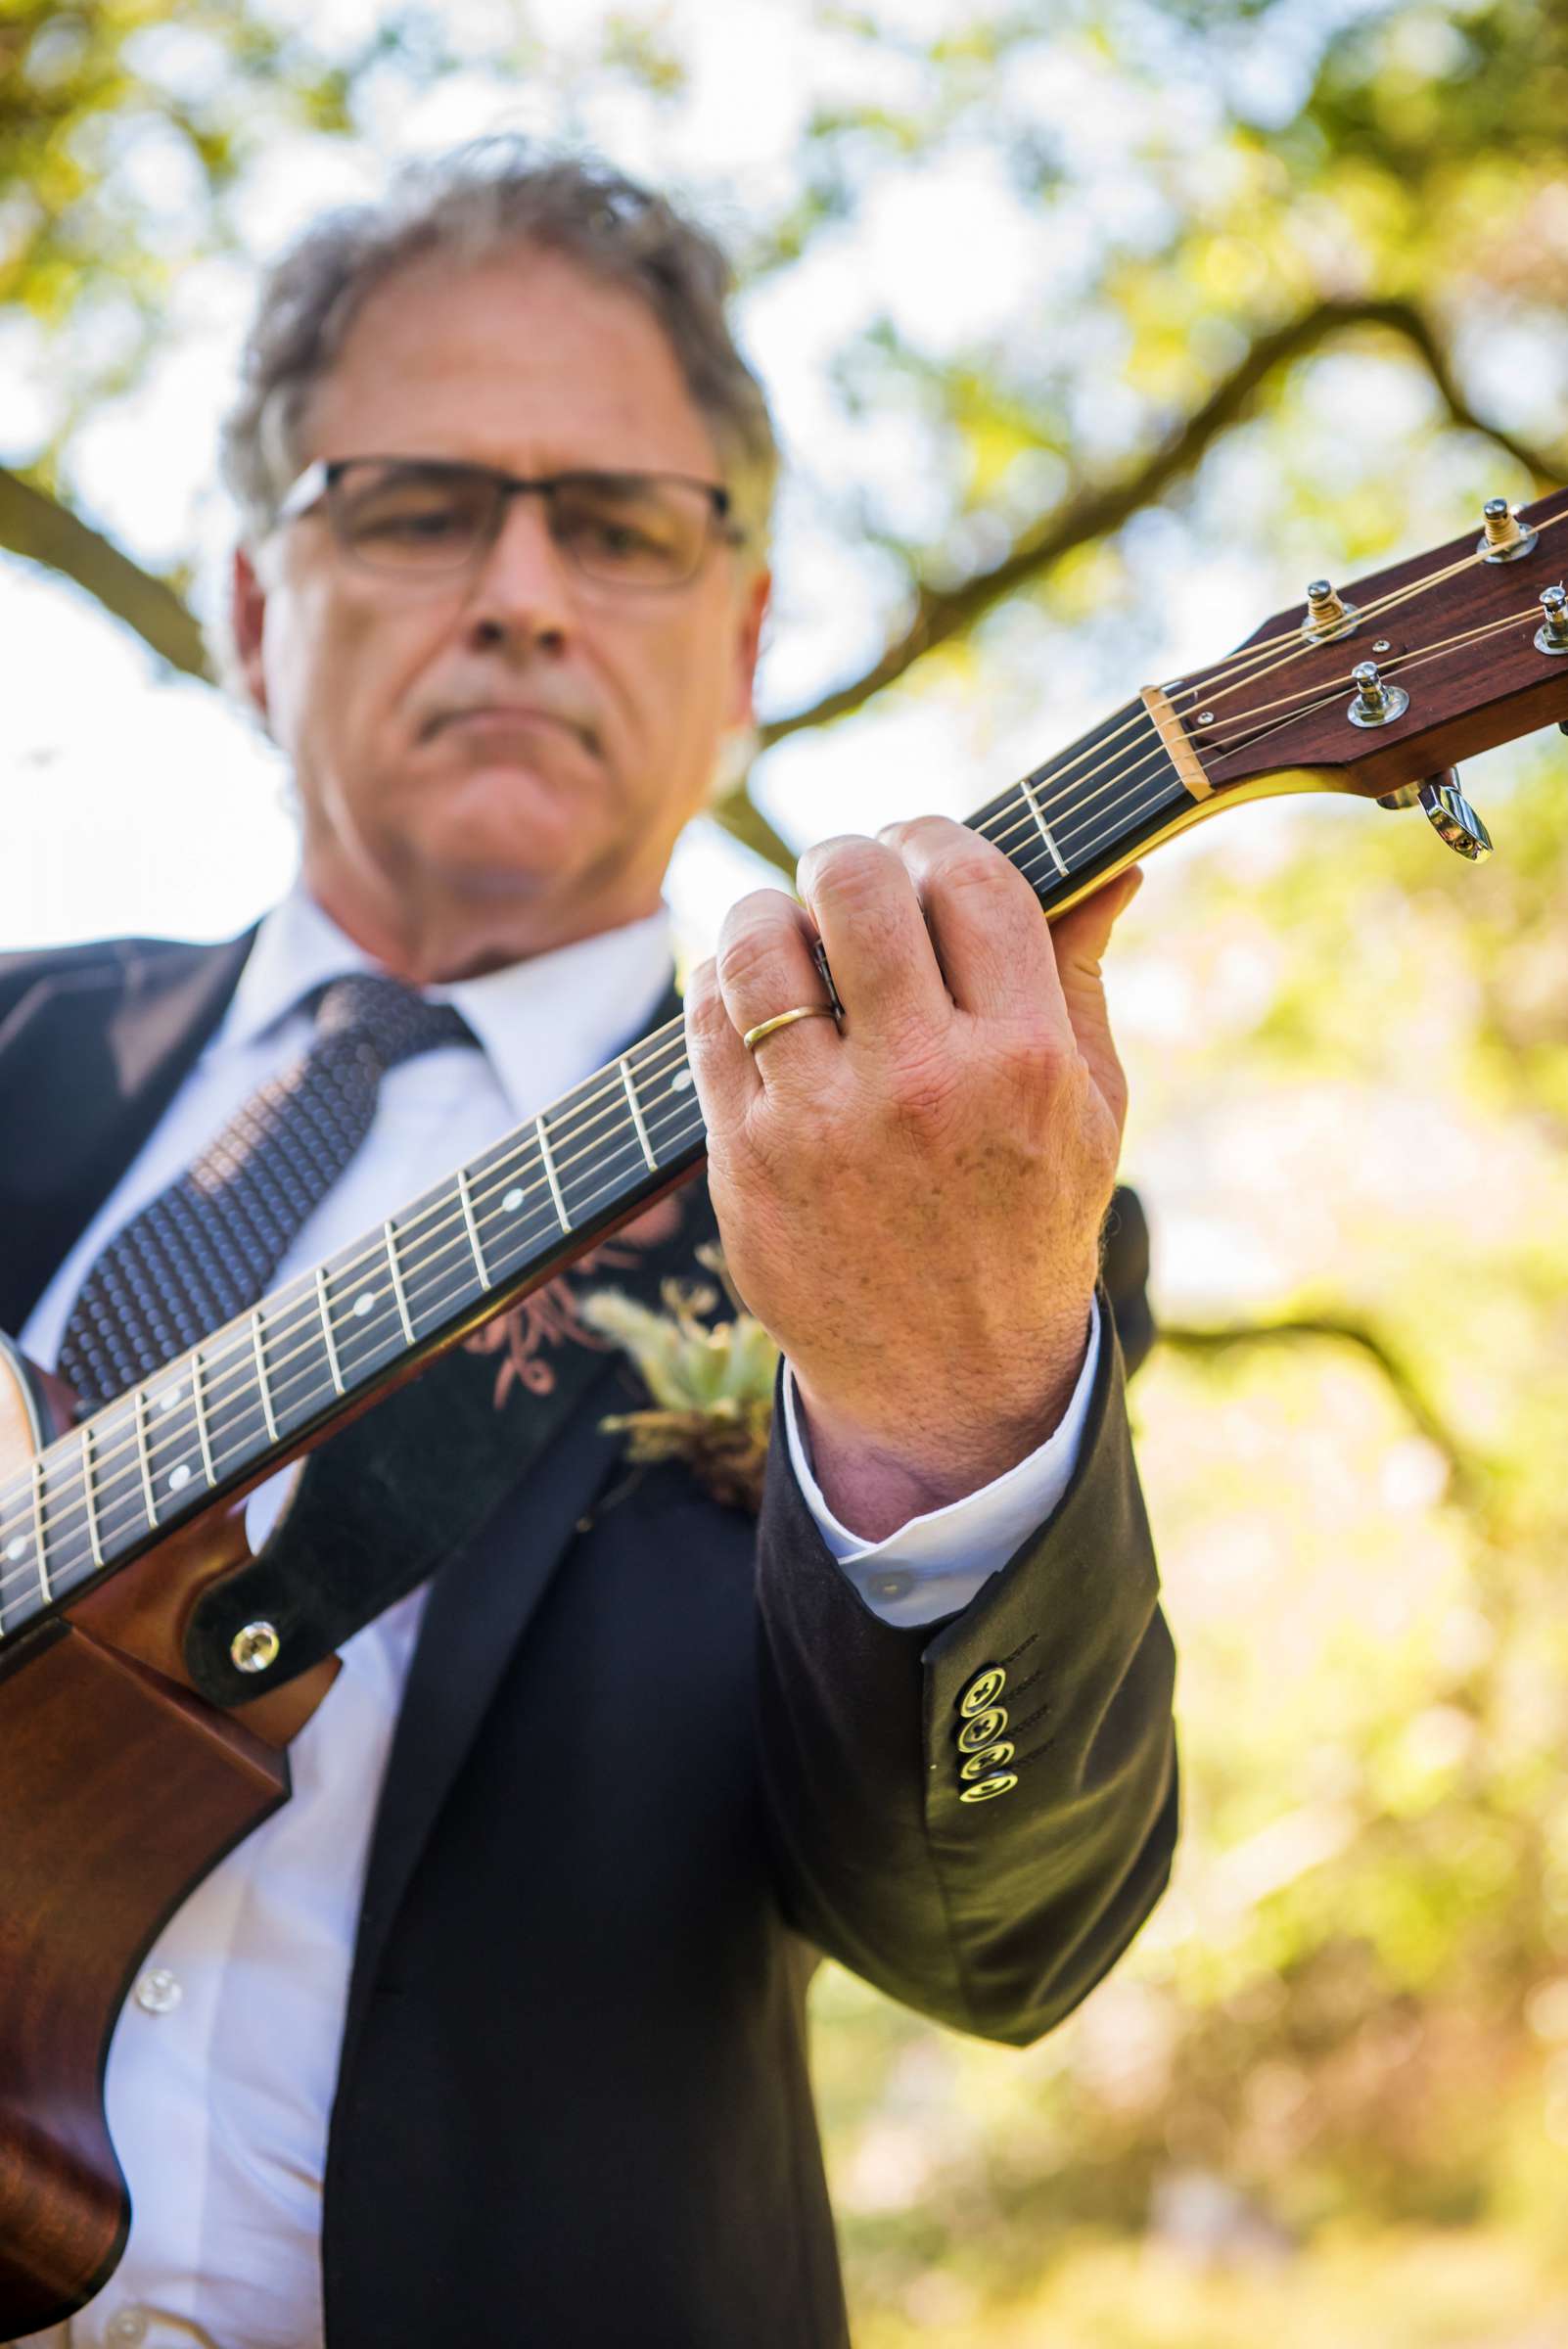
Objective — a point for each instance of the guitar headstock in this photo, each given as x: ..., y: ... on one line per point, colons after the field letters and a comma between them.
x: 1386, y: 683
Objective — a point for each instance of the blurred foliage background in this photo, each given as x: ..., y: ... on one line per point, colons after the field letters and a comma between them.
x: 1095, y: 331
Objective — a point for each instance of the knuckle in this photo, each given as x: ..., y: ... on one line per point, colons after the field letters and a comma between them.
x: 747, y: 953
x: 850, y: 869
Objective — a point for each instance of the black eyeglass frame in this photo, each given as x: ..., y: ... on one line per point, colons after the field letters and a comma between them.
x: 315, y: 485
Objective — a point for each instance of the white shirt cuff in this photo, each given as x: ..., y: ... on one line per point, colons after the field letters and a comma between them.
x: 936, y: 1563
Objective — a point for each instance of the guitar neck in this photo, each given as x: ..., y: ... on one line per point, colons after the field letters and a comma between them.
x: 261, y: 1388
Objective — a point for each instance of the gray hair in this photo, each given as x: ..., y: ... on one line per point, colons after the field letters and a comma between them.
x: 486, y: 196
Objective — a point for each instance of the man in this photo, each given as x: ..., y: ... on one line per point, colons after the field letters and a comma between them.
x: 495, y: 2031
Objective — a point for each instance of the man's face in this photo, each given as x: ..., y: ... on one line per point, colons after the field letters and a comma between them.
x: 495, y: 762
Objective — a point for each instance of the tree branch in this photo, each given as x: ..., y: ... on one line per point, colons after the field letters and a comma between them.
x: 1465, y: 1472
x: 37, y: 526
x: 940, y: 614
x: 740, y: 816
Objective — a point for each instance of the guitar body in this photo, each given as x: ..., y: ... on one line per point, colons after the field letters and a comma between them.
x: 122, y: 1790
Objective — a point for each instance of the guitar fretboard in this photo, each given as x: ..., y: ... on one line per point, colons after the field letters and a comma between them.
x: 211, y: 1419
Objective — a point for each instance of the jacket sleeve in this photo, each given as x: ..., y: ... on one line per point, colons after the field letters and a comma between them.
x: 996, y: 1916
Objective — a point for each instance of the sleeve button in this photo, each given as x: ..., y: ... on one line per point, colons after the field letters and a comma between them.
x: 986, y: 1789
x: 984, y: 1690
x: 982, y: 1729
x: 993, y: 1756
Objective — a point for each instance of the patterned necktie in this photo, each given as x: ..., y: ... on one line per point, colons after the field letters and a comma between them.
x: 205, y: 1248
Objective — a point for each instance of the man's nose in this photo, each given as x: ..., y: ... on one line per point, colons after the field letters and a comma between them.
x: 522, y: 590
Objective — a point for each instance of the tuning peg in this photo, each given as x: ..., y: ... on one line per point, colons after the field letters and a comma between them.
x: 1327, y: 613
x: 1374, y: 703
x: 1552, y: 634
x: 1504, y: 537
x: 1453, y: 819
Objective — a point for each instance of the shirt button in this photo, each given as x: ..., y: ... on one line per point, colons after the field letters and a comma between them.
x: 159, y: 1991
x: 891, y: 1586
x: 130, y: 2324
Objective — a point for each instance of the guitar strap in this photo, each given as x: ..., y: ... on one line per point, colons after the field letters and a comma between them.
x: 411, y: 1481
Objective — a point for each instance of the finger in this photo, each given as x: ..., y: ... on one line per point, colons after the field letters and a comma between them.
x: 727, y: 1082
x: 988, y: 925
x: 765, y: 968
x: 863, y: 901
x: 1081, y: 938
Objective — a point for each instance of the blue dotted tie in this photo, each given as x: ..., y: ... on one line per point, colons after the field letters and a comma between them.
x: 205, y: 1248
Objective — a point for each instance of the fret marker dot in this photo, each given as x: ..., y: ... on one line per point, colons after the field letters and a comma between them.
x: 179, y: 1477
x: 171, y: 1400
x: 16, y: 1549
x: 363, y: 1302
x: 681, y: 1079
x: 512, y: 1202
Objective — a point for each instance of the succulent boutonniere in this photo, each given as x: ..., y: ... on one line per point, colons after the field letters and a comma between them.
x: 711, y: 1380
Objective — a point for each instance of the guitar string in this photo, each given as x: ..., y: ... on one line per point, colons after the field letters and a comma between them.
x: 1026, y: 821
x: 1042, y: 866
x: 101, y: 1491
x: 282, y: 1311
x: 286, y: 1303
x: 1247, y: 665
x: 308, y: 1293
x: 426, y: 1293
x: 1219, y: 687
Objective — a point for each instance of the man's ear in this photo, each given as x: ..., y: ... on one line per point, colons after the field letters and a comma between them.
x: 248, y: 608
x: 751, y: 613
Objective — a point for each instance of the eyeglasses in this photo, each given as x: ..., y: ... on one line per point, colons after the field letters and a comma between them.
x: 422, y: 518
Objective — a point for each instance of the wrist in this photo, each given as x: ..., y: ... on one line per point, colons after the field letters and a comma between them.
x: 877, y: 1472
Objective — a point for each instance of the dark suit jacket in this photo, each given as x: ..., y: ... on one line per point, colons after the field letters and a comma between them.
x: 652, y: 1759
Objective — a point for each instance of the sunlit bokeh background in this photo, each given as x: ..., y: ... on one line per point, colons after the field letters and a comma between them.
x: 1180, y: 305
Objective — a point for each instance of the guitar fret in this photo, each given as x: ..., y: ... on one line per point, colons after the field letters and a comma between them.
x: 480, y: 1264
x: 550, y: 1172
x: 391, y: 1238
x: 325, y: 1311
x: 198, y: 1403
x: 89, y: 1486
x: 259, y: 1345
x: 1034, y: 810
x: 139, y: 1413
x: 39, y: 1545
x: 636, y: 1114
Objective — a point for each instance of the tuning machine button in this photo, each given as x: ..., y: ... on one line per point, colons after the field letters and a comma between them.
x: 1453, y: 819
x: 1504, y: 537
x: 1552, y: 634
x: 1374, y: 702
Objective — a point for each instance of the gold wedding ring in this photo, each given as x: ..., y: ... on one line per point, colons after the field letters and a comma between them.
x: 786, y: 1019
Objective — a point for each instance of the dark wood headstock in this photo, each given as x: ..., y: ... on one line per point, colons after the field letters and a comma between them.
x: 1453, y: 631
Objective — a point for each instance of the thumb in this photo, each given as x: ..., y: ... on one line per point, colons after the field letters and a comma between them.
x: 1080, y: 939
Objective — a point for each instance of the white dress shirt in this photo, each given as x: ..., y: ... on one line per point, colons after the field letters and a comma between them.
x: 223, y: 2063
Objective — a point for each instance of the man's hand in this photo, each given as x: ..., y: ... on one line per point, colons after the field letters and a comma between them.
x: 912, y: 1206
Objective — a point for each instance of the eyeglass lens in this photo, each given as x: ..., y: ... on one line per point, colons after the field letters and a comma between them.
x: 627, y: 529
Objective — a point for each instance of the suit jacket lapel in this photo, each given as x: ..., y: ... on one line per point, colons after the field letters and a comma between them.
x: 89, y: 1061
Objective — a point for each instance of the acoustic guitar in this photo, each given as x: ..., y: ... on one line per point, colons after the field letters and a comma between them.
x: 124, y: 1785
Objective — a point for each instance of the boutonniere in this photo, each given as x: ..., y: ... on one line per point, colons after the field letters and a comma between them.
x: 711, y: 1380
